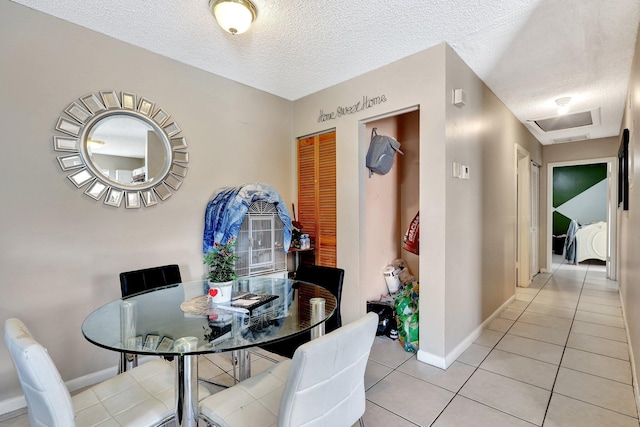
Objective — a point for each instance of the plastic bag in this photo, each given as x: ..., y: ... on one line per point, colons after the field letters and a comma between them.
x: 408, y: 319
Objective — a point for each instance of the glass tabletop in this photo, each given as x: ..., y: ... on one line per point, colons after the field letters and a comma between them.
x: 158, y: 322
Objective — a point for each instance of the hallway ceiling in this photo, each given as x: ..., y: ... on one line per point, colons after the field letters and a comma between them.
x: 529, y: 52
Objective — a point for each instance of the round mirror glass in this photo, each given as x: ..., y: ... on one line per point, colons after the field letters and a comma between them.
x: 127, y: 150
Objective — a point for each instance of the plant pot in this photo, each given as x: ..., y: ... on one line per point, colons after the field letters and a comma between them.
x: 220, y: 293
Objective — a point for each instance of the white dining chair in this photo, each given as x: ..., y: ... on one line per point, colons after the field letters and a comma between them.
x: 142, y: 396
x: 323, y: 385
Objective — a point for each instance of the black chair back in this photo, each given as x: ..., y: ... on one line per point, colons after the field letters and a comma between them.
x: 145, y: 280
x: 331, y: 279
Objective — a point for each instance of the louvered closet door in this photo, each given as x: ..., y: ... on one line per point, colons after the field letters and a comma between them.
x: 307, y: 186
x: 317, y: 194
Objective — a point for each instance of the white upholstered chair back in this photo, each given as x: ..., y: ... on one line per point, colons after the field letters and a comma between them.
x: 325, y: 385
x: 47, y: 396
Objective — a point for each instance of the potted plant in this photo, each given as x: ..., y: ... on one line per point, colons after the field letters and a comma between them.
x: 221, y: 262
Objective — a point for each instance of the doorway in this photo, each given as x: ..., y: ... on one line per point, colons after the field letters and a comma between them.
x: 527, y: 224
x: 391, y: 201
x: 601, y: 191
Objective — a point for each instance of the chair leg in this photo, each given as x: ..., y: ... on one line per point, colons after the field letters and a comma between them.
x: 361, y: 422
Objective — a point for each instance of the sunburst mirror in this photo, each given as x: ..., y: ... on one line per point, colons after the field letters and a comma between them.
x: 121, y: 147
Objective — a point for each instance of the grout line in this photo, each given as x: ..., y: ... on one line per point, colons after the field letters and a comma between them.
x: 597, y: 406
x: 397, y: 415
x: 555, y: 380
x: 476, y: 368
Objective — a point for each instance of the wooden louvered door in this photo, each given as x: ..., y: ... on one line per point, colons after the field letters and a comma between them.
x: 317, y: 194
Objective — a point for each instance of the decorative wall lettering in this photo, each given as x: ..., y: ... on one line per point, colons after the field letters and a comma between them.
x: 343, y: 110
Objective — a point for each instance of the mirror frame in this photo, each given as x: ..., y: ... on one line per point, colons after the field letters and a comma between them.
x: 76, y: 125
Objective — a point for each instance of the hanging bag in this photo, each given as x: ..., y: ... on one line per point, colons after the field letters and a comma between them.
x: 381, y: 151
x: 411, y: 240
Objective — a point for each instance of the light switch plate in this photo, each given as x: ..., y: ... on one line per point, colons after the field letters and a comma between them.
x: 456, y: 170
x: 464, y: 172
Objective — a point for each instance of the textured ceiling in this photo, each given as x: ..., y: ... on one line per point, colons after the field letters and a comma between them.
x: 529, y: 52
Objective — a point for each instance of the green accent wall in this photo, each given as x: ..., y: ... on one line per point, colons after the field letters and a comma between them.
x: 560, y: 223
x: 569, y: 181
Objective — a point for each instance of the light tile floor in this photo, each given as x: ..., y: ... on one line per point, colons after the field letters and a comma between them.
x: 557, y: 356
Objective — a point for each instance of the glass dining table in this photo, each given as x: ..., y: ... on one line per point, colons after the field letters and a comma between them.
x: 181, y: 321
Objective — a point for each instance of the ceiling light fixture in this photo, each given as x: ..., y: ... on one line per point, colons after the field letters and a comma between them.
x: 234, y: 16
x: 563, y: 105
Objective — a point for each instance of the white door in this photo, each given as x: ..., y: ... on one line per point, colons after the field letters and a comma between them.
x: 523, y: 232
x: 534, y: 250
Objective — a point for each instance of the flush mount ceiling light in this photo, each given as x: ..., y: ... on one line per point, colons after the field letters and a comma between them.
x: 563, y: 105
x: 234, y: 16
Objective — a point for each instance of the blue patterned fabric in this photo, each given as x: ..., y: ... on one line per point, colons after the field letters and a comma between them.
x: 570, y: 252
x: 227, y: 209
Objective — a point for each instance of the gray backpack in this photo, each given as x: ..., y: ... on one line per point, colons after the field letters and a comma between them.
x: 382, y: 149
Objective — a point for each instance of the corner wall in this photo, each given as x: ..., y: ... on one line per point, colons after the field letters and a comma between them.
x: 467, y: 258
x: 62, y: 251
x: 417, y: 80
x: 481, y: 211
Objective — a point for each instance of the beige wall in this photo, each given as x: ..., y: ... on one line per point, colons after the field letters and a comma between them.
x: 480, y: 212
x: 61, y: 251
x: 568, y: 152
x: 629, y: 221
x: 467, y: 227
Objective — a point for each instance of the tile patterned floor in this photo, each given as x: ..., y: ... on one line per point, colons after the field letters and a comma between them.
x: 557, y: 356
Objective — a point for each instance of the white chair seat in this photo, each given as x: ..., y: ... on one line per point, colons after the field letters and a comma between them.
x: 143, y: 396
x: 323, y: 385
x: 254, y: 402
x: 140, y: 396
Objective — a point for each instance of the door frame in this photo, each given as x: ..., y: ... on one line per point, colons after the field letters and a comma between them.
x: 612, y: 208
x: 523, y: 217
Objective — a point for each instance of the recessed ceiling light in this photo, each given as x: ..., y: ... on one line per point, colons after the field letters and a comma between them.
x: 563, y: 104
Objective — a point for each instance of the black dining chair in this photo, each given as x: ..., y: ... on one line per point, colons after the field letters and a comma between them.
x: 148, y: 279
x: 331, y: 279
x: 141, y: 281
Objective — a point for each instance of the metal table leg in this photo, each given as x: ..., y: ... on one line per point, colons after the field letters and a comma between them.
x: 186, y: 383
x: 241, y: 359
x: 187, y: 391
x: 128, y: 361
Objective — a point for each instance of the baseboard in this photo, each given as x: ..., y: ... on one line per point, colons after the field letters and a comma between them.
x: 447, y: 360
x: 634, y: 374
x: 13, y: 404
x: 19, y: 402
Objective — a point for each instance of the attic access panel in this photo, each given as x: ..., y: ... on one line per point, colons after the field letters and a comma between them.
x: 565, y: 122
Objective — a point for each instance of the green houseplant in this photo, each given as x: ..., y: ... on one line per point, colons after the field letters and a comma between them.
x: 221, y: 261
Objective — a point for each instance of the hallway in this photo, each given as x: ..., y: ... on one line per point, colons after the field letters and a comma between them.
x: 557, y: 356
